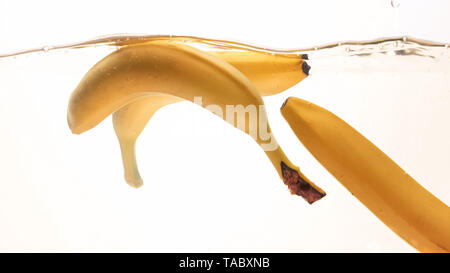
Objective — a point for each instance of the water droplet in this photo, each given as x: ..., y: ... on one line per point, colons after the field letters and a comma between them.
x: 339, y: 44
x: 315, y: 48
x: 273, y: 54
x: 347, y: 49
x: 45, y: 48
x: 446, y: 46
x: 405, y: 39
x: 395, y: 3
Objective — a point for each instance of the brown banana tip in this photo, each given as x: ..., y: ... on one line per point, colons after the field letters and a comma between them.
x: 299, y: 186
x: 305, y: 57
x: 306, y: 68
x: 284, y: 103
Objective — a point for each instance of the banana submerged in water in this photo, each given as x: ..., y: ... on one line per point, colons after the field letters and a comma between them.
x: 379, y: 183
x: 136, y: 73
x: 270, y: 74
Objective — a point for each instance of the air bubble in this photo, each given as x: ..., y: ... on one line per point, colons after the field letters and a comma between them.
x: 395, y: 3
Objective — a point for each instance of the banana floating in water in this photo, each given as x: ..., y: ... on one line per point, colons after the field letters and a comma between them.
x: 163, y: 72
x: 270, y: 74
x: 379, y: 183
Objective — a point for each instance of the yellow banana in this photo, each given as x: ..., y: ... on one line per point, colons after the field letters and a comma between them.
x: 379, y: 183
x: 169, y: 68
x: 129, y: 121
x: 271, y: 74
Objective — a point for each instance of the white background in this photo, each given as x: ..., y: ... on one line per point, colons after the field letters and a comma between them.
x: 208, y: 187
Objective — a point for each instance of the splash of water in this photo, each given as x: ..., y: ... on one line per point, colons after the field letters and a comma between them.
x: 359, y: 56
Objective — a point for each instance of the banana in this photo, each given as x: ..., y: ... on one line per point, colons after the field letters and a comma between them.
x: 271, y: 74
x: 129, y: 121
x: 379, y: 183
x: 170, y: 68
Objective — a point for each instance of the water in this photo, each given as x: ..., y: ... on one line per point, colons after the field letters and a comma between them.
x: 380, y: 54
x: 401, y: 75
x: 396, y: 91
x: 401, y: 64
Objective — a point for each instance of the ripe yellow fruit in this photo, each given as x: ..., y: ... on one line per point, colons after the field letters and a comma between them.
x: 129, y: 121
x: 379, y: 183
x: 271, y: 74
x: 174, y: 69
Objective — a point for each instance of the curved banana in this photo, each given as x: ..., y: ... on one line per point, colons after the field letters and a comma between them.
x: 129, y: 121
x: 178, y: 70
x: 379, y: 183
x: 271, y: 74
